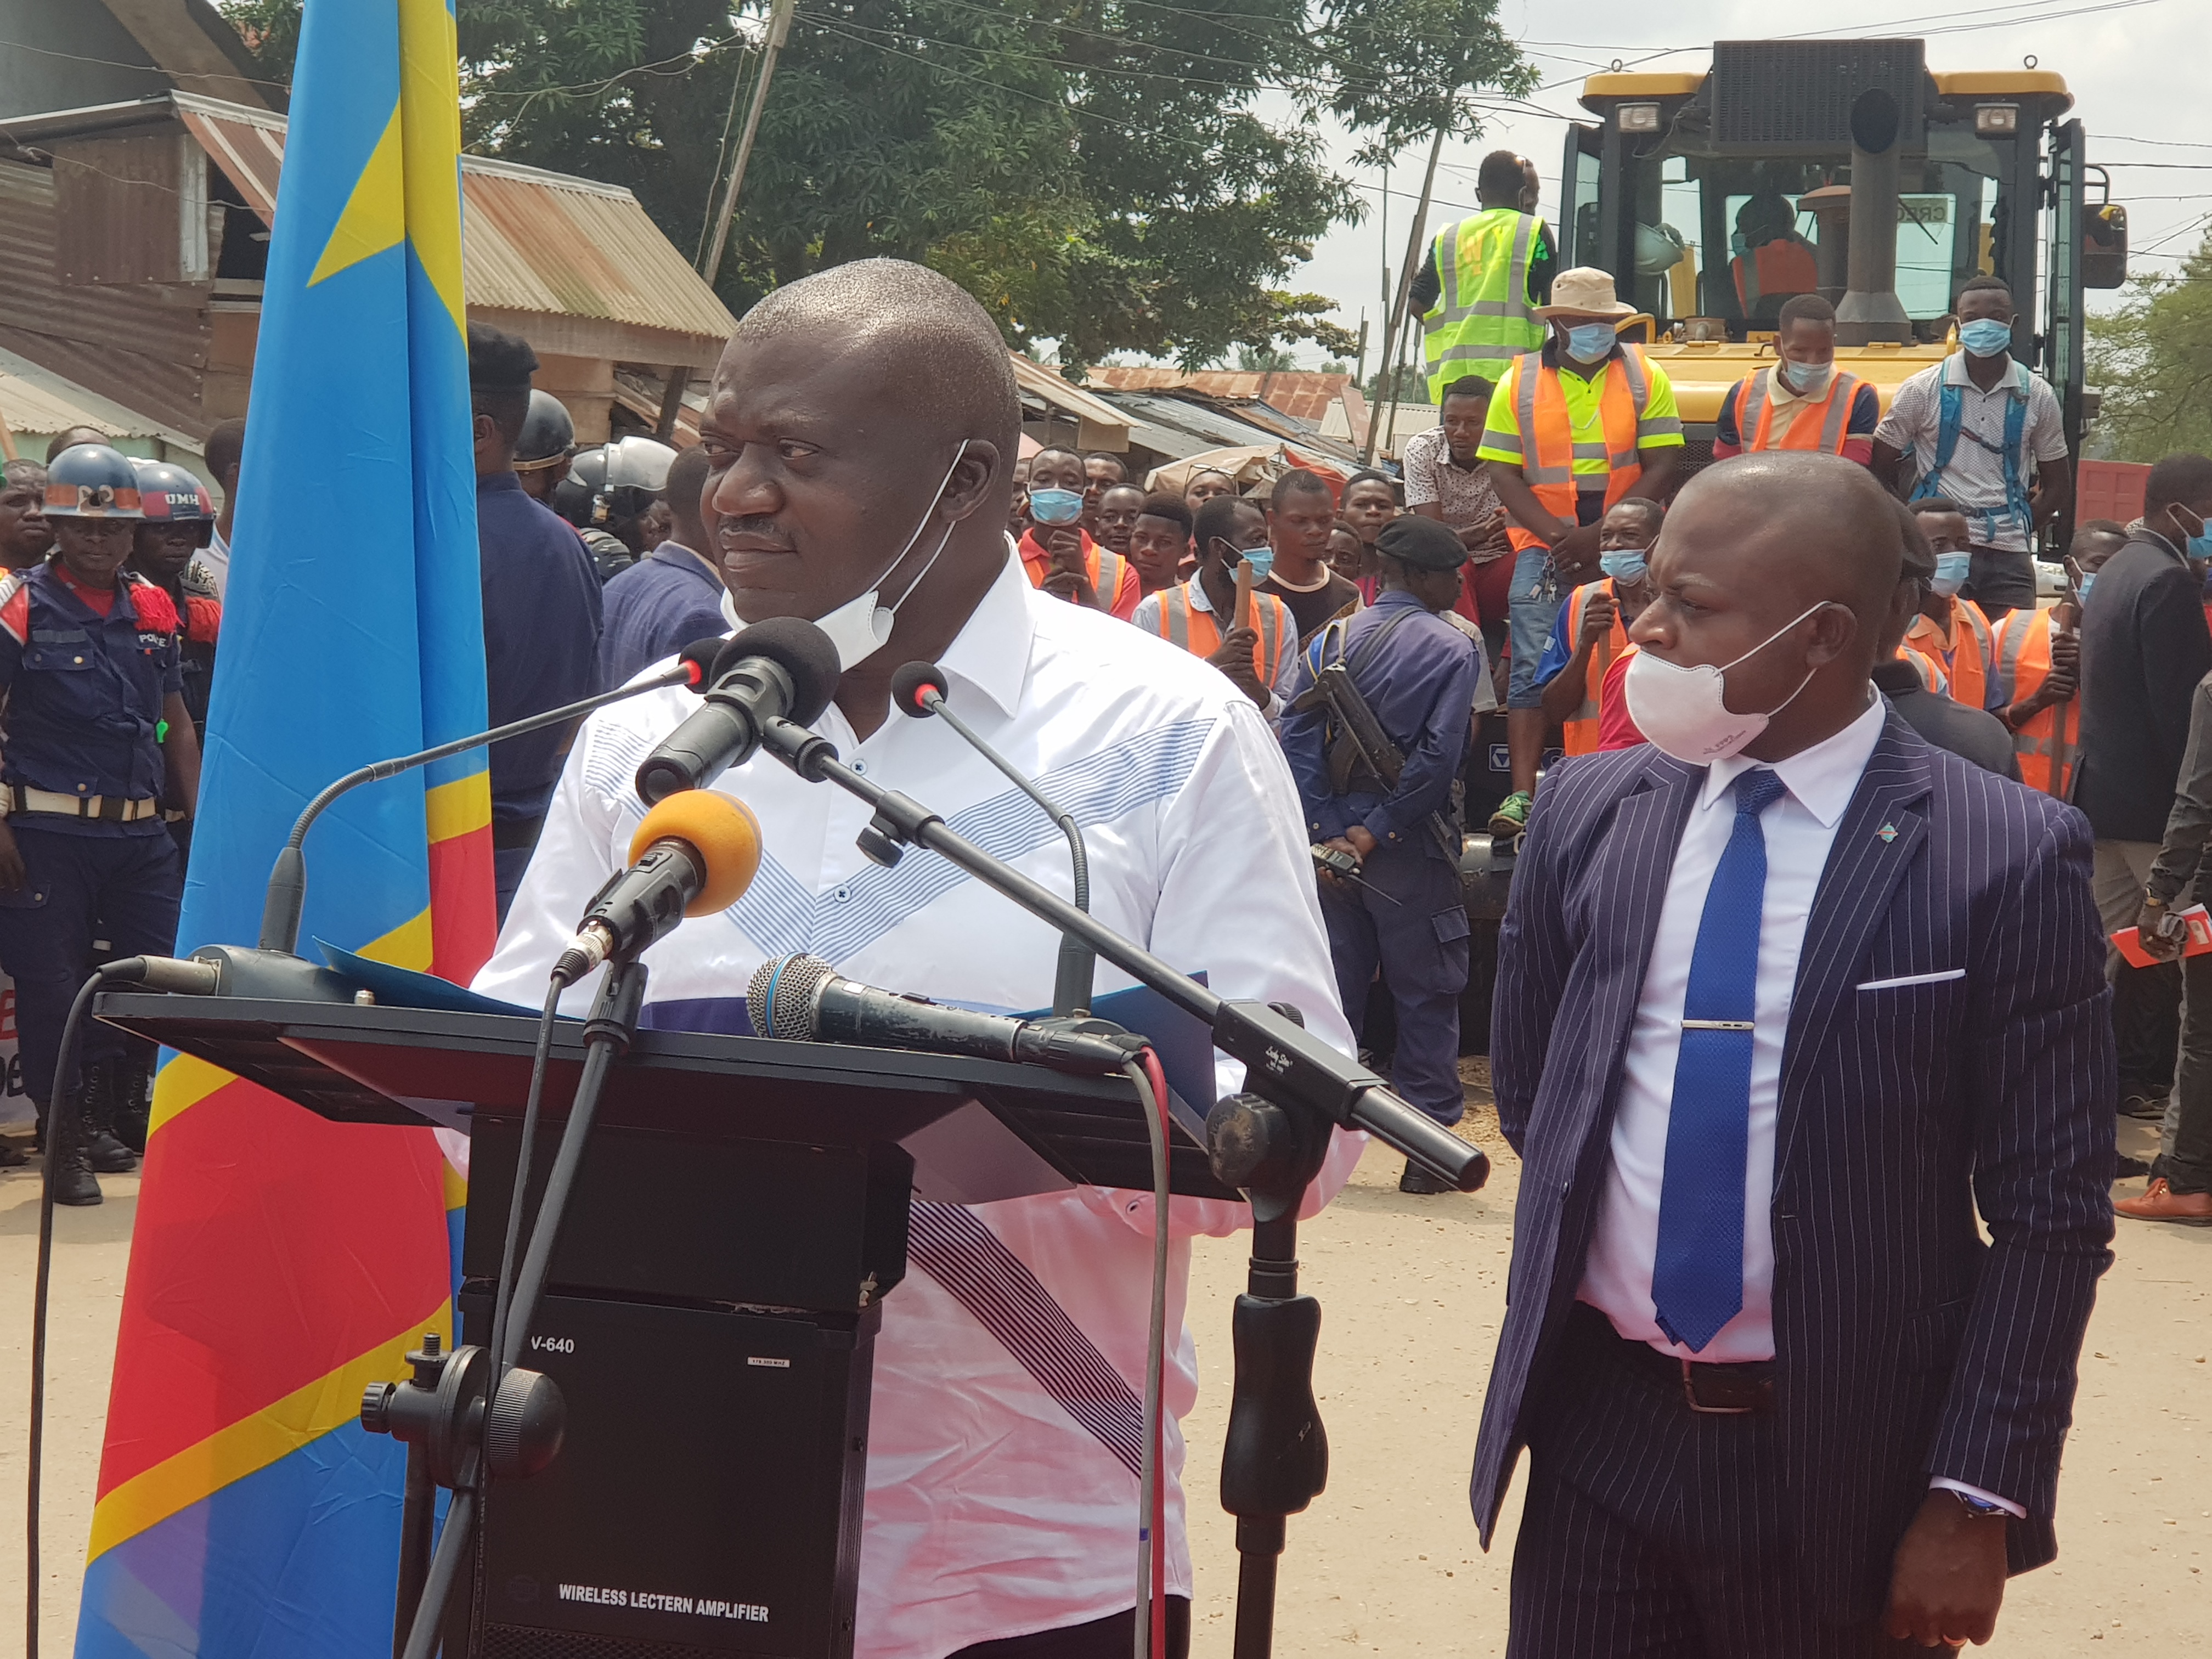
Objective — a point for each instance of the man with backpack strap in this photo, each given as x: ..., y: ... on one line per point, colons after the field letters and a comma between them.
x: 1985, y: 430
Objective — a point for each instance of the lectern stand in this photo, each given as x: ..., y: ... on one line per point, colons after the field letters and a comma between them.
x: 739, y: 1216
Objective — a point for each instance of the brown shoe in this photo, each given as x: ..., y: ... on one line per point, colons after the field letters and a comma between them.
x: 2160, y: 1202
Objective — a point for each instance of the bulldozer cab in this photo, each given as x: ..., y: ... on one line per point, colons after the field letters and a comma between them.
x: 1846, y: 169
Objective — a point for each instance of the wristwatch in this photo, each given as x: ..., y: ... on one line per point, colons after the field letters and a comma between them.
x: 1980, y: 1508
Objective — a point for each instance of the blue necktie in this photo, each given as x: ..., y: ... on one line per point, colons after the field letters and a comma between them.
x: 1696, y: 1278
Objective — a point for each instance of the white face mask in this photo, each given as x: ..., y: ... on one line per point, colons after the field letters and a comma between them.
x: 862, y: 626
x: 1684, y: 711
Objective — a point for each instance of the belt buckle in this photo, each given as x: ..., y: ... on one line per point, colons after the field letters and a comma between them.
x: 1690, y: 1397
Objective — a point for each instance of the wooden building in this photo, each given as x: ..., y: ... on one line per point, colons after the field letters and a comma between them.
x: 134, y: 237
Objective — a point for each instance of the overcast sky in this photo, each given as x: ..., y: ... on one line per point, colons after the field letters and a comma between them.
x: 2138, y: 70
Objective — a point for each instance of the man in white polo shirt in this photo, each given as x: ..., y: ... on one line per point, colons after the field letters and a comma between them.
x: 1985, y: 431
x: 861, y: 432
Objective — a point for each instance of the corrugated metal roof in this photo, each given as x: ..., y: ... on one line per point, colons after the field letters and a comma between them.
x: 36, y: 400
x: 1302, y: 394
x: 1039, y: 381
x: 531, y: 241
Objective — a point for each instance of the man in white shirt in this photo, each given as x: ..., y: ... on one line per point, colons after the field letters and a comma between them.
x: 1786, y: 1001
x: 1984, y: 430
x: 859, y: 432
x: 226, y: 443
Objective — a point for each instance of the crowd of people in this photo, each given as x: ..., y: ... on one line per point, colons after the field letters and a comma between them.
x: 1548, y: 471
x: 1543, y: 550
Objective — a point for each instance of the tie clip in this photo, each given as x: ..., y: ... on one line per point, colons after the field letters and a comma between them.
x: 1716, y: 1025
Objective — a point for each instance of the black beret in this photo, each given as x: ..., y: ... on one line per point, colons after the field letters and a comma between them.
x: 1425, y: 543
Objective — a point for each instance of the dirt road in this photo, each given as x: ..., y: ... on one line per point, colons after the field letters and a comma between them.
x: 1412, y: 1290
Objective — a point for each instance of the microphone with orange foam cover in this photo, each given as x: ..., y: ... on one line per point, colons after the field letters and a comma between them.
x: 695, y: 854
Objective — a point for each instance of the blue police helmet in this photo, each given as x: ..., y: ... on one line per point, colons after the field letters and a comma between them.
x: 169, y: 495
x: 91, y: 481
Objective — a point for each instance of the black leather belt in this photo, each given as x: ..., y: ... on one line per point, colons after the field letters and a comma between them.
x: 1710, y: 1390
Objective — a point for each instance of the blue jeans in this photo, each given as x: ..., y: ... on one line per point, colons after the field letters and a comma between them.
x: 1531, y: 618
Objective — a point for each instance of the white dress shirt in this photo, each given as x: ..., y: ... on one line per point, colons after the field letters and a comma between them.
x: 990, y: 1511
x: 1800, y: 828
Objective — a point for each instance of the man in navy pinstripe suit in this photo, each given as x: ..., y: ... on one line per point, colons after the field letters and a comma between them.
x: 1783, y: 1000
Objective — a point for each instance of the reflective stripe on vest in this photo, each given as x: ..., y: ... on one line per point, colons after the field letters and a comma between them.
x: 1105, y: 568
x: 2023, y: 659
x: 1825, y: 431
x: 1482, y: 320
x: 1969, y: 682
x: 1580, y: 731
x: 1932, y: 677
x: 1183, y: 624
x: 1548, y: 449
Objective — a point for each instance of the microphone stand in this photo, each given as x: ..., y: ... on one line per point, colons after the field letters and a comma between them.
x: 1269, y: 1143
x: 287, y: 881
x: 1072, y: 986
x: 473, y: 1414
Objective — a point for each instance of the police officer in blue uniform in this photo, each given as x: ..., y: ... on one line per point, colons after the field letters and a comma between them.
x: 541, y: 607
x: 1417, y: 677
x: 94, y: 743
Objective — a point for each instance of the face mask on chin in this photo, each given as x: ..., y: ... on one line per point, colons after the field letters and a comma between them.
x: 1684, y: 711
x: 861, y: 626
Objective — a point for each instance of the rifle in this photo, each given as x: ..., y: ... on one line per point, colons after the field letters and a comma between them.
x: 1364, y: 743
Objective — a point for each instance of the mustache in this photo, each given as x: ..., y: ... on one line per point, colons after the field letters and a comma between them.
x: 761, y: 525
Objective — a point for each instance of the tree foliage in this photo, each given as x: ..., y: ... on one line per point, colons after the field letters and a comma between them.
x: 2153, y: 360
x: 1095, y: 172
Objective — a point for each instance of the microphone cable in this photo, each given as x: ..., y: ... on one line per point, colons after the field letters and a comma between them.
x: 1150, y: 1619
x: 540, y: 1057
x: 61, y: 1112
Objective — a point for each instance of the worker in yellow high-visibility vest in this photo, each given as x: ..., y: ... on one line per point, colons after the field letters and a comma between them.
x: 1576, y: 427
x: 1484, y: 276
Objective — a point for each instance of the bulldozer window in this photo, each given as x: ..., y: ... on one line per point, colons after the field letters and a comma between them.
x: 1734, y: 236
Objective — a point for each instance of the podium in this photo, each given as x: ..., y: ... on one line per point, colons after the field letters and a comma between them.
x: 739, y: 1216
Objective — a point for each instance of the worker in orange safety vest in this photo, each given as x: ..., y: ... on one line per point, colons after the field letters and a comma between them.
x: 1189, y: 614
x: 1948, y: 628
x: 1058, y: 553
x: 2037, y: 667
x: 1802, y: 400
x: 1573, y: 430
x: 1592, y: 632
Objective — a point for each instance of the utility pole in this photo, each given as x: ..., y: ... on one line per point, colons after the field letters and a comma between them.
x: 779, y: 28
x: 1400, y: 306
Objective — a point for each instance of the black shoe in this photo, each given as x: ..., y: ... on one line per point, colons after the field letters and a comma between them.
x: 1418, y: 1180
x: 104, y: 1152
x: 96, y: 1100
x: 11, y: 1156
x: 133, y: 1104
x: 2148, y: 1109
x: 73, y: 1179
x: 2129, y: 1167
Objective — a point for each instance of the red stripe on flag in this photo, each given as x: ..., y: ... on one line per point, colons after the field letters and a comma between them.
x: 463, y: 905
x: 282, y: 1247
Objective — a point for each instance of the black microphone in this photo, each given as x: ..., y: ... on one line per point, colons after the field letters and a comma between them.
x: 802, y: 998
x: 919, y: 690
x: 695, y: 854
x: 287, y: 893
x: 783, y: 668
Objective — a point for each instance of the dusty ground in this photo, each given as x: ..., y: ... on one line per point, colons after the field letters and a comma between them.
x: 1385, y: 1561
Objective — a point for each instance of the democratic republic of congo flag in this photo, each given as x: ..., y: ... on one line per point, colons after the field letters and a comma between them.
x: 279, y: 1261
